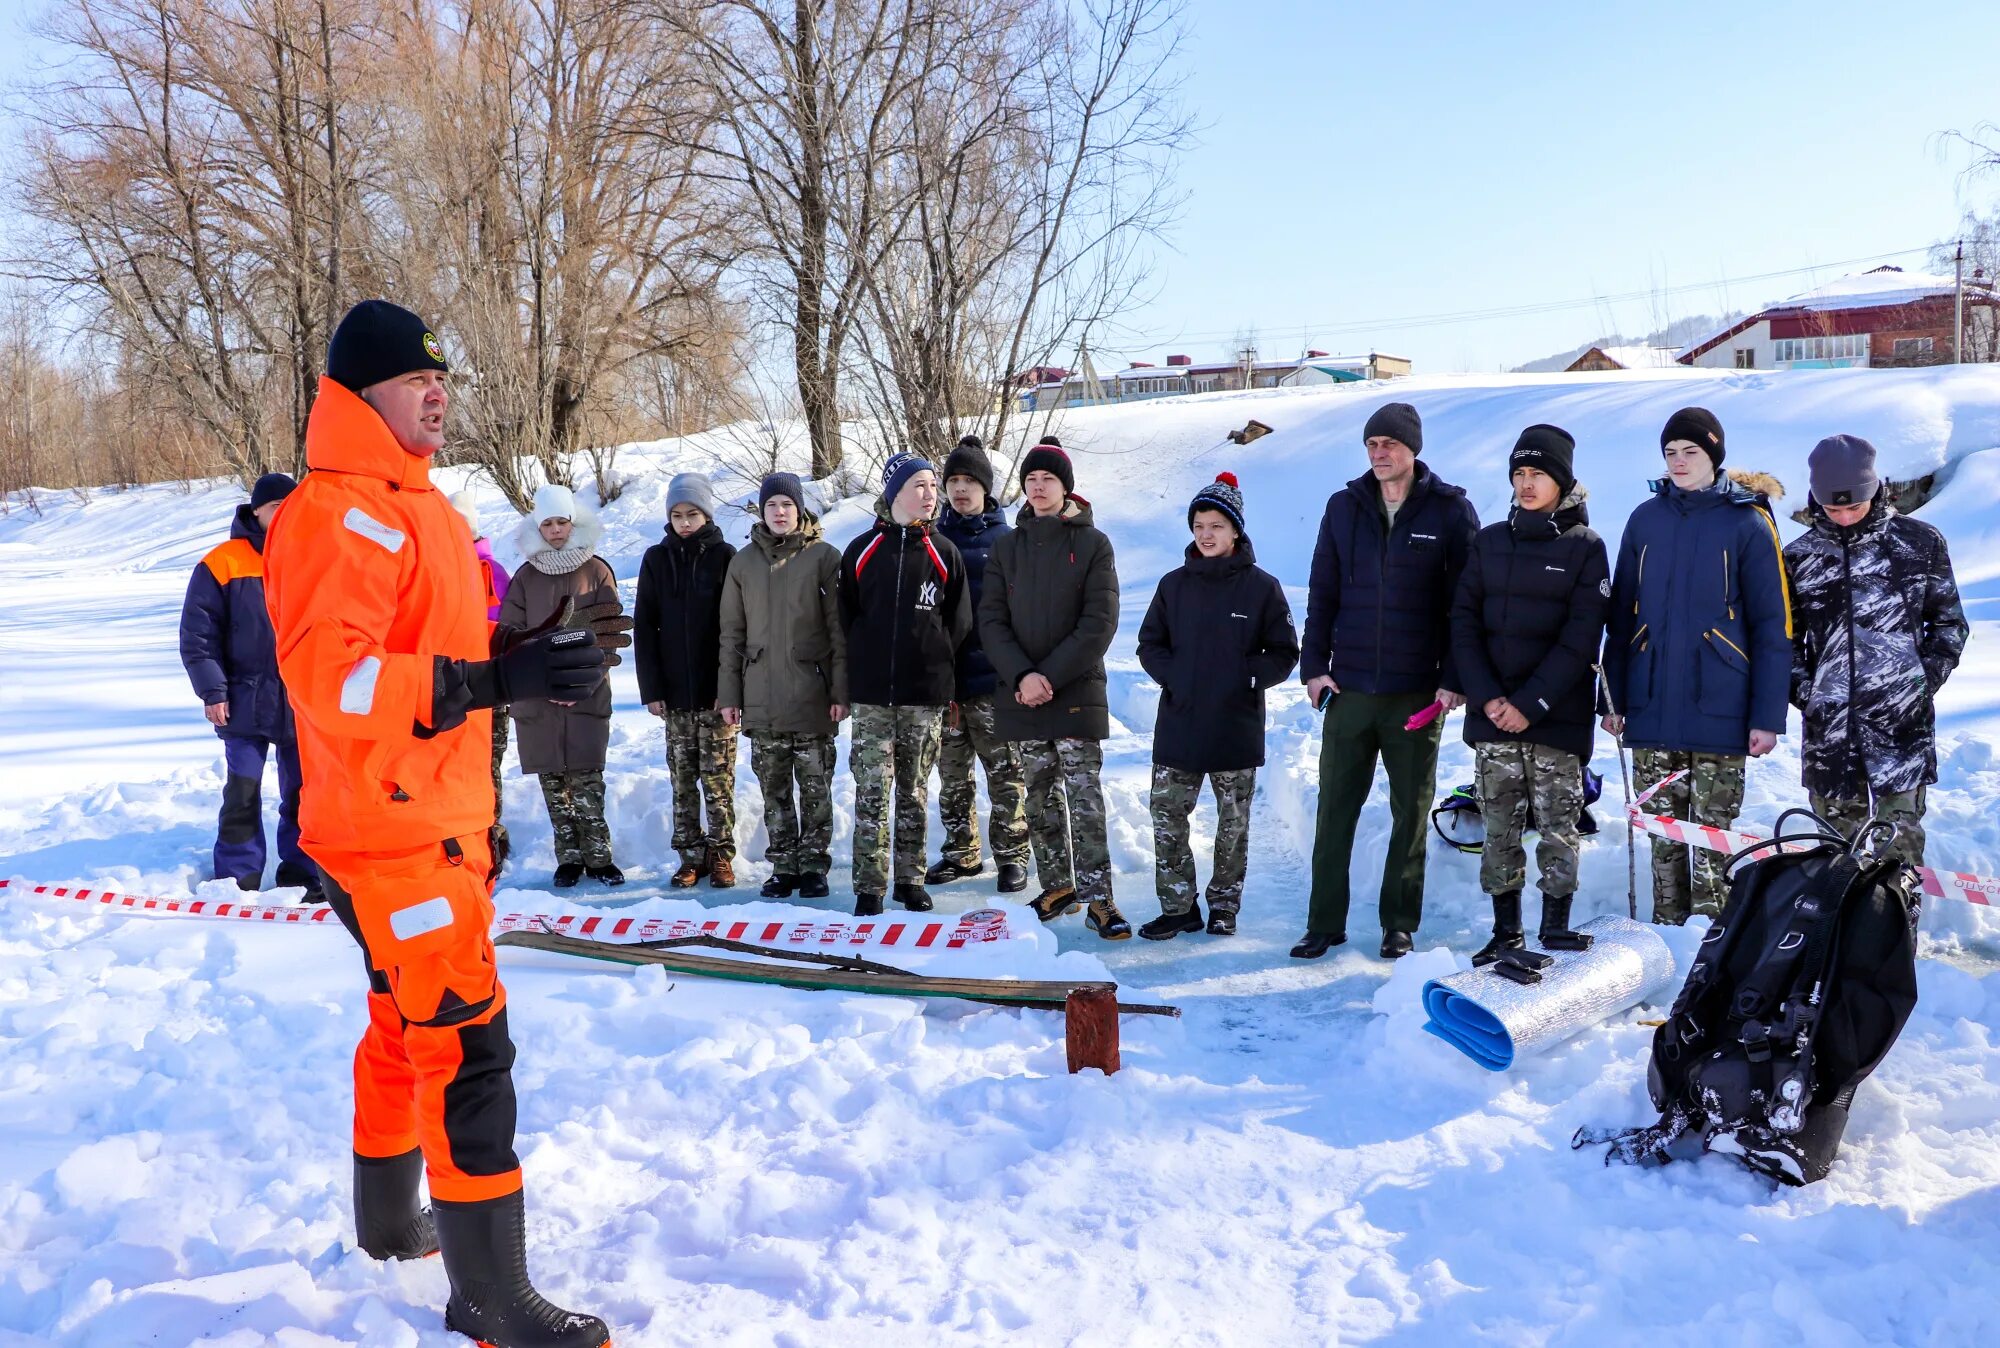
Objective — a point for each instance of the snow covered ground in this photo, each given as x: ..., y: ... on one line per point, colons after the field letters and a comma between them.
x: 1293, y: 1162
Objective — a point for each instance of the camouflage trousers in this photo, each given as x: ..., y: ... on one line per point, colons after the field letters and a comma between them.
x: 798, y: 828
x: 1712, y: 794
x: 1066, y: 815
x: 1174, y: 794
x: 701, y: 758
x: 576, y: 812
x: 497, y: 835
x: 890, y: 752
x: 972, y: 739
x: 1904, y: 809
x: 1514, y: 778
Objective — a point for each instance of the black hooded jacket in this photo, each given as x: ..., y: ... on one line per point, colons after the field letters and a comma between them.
x: 1217, y: 634
x: 1527, y: 622
x: 904, y: 604
x: 677, y: 618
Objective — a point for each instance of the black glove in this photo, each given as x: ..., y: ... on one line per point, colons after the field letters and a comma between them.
x: 562, y: 666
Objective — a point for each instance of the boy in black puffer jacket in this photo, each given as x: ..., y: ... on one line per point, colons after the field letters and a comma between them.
x: 1525, y: 629
x: 677, y: 639
x: 974, y: 521
x: 1218, y: 633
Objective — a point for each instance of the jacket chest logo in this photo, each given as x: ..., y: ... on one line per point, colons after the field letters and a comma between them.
x: 1558, y: 570
x: 927, y: 595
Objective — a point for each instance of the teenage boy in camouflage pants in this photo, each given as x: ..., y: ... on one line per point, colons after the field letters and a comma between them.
x: 1218, y: 633
x: 904, y: 608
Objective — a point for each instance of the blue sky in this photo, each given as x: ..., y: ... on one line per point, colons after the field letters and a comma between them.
x: 1380, y: 161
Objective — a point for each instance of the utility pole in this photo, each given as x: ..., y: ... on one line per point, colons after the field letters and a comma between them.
x: 1958, y: 307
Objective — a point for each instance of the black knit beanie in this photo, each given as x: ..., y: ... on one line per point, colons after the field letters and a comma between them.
x: 781, y: 484
x: 1398, y: 421
x: 1698, y: 426
x: 1049, y: 457
x: 1551, y: 449
x: 379, y: 340
x: 969, y: 460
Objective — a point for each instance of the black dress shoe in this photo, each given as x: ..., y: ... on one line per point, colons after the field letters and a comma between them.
x: 779, y: 886
x: 812, y: 885
x: 913, y: 898
x: 1396, y: 944
x: 1013, y: 877
x: 867, y: 905
x: 1316, y: 943
x: 947, y: 871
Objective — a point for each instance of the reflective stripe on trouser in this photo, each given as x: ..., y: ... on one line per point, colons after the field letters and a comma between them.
x: 239, y: 827
x: 1359, y: 728
x: 1902, y: 809
x: 960, y: 746
x: 1174, y: 794
x: 798, y: 826
x: 434, y: 1068
x: 701, y: 759
x: 1066, y: 815
x: 1515, y: 778
x: 889, y: 753
x: 576, y: 814
x: 1711, y: 793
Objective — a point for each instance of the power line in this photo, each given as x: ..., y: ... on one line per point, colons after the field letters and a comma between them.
x: 1463, y: 316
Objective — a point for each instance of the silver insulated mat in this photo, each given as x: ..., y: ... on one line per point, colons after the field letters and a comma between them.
x: 1493, y: 1020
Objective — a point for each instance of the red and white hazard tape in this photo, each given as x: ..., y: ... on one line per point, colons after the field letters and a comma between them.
x: 1936, y: 884
x: 977, y: 927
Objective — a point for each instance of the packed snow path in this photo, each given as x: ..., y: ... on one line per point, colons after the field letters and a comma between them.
x: 1294, y: 1162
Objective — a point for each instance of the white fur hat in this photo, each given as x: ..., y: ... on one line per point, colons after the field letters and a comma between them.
x: 554, y: 502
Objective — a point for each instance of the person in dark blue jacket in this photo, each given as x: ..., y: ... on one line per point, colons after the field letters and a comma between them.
x: 974, y: 521
x: 1376, y: 651
x: 231, y: 655
x: 1698, y: 652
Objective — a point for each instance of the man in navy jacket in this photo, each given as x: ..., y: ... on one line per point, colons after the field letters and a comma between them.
x: 1698, y: 654
x: 1376, y: 651
x: 231, y: 655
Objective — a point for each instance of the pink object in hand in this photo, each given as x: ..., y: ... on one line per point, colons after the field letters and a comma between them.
x: 1424, y: 717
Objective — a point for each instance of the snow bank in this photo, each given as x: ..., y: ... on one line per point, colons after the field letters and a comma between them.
x: 1295, y: 1161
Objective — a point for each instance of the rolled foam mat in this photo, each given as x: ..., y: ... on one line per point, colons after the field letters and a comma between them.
x: 1493, y: 1020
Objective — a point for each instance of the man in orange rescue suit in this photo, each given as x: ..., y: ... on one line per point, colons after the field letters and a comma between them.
x: 392, y: 665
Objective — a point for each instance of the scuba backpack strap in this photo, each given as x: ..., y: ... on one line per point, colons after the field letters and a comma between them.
x: 1458, y: 800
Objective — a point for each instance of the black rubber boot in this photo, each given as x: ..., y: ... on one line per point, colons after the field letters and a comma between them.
x: 1507, y: 933
x: 390, y: 1219
x: 1555, y: 933
x: 486, y: 1258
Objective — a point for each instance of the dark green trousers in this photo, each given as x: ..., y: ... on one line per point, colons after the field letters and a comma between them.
x: 1359, y: 728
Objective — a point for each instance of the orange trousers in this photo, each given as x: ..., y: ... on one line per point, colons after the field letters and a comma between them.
x: 434, y: 1068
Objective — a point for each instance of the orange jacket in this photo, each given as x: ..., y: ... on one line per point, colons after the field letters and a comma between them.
x: 370, y: 576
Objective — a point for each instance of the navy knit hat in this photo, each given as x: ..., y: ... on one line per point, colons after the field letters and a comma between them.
x: 897, y: 473
x: 781, y: 484
x: 1398, y: 421
x: 1550, y: 449
x: 1050, y: 457
x: 1699, y: 426
x: 379, y: 340
x: 1222, y: 495
x: 271, y: 487
x: 1843, y: 471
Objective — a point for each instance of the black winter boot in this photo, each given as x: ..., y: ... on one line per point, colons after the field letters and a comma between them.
x: 1555, y: 932
x: 390, y: 1220
x: 779, y: 886
x: 1013, y: 877
x: 948, y: 870
x: 608, y: 874
x: 486, y: 1258
x: 568, y: 874
x: 914, y: 897
x: 867, y: 905
x: 1169, y: 925
x: 813, y: 885
x: 1506, y: 928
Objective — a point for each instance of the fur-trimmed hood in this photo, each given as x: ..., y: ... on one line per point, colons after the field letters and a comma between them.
x: 554, y: 502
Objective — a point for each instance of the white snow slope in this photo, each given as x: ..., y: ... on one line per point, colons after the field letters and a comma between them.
x: 1293, y: 1162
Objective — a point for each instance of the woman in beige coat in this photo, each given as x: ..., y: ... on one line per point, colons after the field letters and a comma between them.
x: 784, y: 680
x: 564, y: 744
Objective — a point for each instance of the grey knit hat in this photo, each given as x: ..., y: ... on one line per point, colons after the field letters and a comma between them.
x: 1221, y: 495
x: 1843, y: 471
x: 692, y: 489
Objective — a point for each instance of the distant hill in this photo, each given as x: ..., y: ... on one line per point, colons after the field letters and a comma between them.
x: 1678, y: 333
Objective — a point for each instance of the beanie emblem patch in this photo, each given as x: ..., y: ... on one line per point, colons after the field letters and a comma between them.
x: 433, y: 347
